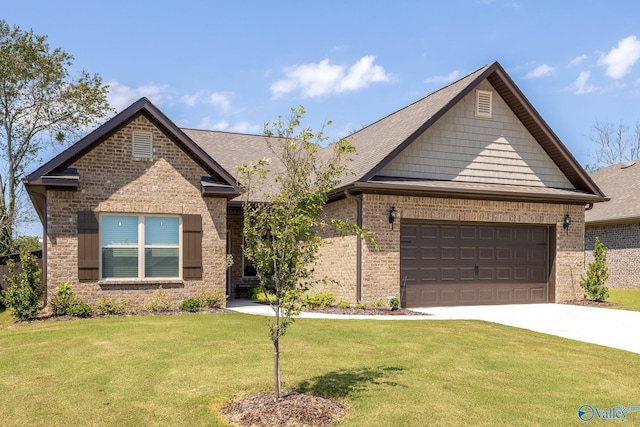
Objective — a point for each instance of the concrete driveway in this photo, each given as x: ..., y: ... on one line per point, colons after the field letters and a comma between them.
x: 602, y: 326
x: 611, y: 328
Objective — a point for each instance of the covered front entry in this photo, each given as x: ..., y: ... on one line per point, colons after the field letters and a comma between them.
x: 451, y: 263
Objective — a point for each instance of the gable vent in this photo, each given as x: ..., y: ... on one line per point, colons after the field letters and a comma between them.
x: 484, y: 103
x: 142, y: 145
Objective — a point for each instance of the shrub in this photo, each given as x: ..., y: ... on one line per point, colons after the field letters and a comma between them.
x: 320, y: 299
x: 361, y: 306
x: 109, y: 307
x: 394, y: 303
x: 192, y: 305
x: 67, y: 303
x: 212, y: 299
x: 80, y: 309
x: 344, y: 304
x: 160, y: 301
x: 379, y: 303
x: 597, y: 273
x: 258, y: 295
x: 24, y: 291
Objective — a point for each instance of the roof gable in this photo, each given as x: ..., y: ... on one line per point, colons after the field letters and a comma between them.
x: 467, y: 147
x: 143, y: 106
x: 378, y: 144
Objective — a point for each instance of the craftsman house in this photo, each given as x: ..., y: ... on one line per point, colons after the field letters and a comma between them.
x: 469, y: 194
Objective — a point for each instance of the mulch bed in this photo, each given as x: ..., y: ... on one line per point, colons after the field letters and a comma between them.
x: 293, y: 409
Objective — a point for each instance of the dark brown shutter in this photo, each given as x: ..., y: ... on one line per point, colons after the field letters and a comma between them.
x: 88, y: 246
x: 191, y: 247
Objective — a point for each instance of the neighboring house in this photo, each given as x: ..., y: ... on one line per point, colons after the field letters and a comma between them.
x: 617, y: 223
x: 476, y: 183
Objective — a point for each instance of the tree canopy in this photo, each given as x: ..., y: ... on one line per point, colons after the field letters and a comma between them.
x: 40, y: 104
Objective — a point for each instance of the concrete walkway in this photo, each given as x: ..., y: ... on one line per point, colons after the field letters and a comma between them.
x: 607, y: 327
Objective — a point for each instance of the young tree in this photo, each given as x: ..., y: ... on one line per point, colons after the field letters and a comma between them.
x: 40, y: 103
x: 282, y: 222
x: 597, y: 274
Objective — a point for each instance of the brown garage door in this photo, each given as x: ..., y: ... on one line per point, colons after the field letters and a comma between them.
x: 473, y: 263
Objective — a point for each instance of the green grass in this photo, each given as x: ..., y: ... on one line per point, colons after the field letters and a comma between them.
x: 179, y: 370
x: 627, y: 299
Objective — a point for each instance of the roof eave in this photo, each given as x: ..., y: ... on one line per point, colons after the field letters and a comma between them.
x: 457, y: 193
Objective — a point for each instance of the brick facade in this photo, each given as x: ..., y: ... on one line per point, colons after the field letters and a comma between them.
x: 112, y: 182
x: 381, y: 268
x: 623, y: 241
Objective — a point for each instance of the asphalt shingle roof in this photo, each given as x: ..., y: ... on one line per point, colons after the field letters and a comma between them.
x: 622, y: 185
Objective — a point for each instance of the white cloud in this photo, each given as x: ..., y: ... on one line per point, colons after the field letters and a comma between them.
x: 454, y: 75
x: 226, y: 126
x: 541, y: 71
x: 577, y: 60
x: 121, y: 96
x: 220, y: 100
x: 621, y: 58
x: 581, y: 84
x: 323, y: 78
x: 246, y: 127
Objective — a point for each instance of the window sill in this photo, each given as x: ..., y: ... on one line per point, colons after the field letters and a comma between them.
x: 140, y: 282
x: 256, y: 278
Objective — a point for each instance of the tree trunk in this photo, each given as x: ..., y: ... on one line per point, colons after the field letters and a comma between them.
x: 276, y: 353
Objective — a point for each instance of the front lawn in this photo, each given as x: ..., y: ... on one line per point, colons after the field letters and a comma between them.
x: 179, y: 370
x: 626, y: 299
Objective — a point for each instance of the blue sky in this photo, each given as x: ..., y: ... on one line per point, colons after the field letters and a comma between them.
x: 233, y: 65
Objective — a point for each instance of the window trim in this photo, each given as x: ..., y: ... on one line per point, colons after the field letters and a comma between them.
x: 141, y: 247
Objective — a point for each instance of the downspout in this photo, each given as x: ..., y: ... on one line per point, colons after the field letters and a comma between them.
x: 358, y: 200
x: 44, y: 243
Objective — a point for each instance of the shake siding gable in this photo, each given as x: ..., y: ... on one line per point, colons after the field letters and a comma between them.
x: 463, y: 147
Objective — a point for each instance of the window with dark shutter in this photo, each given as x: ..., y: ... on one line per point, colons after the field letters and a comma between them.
x: 88, y: 246
x: 191, y: 247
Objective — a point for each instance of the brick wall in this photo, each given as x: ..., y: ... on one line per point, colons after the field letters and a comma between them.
x: 337, y: 256
x: 111, y: 182
x: 381, y: 269
x: 623, y: 241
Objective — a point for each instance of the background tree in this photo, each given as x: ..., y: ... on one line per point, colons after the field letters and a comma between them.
x: 40, y: 104
x: 616, y: 143
x: 282, y: 230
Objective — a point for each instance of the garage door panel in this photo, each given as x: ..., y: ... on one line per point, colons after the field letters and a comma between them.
x: 467, y: 253
x: 467, y: 233
x: 466, y: 264
x: 485, y: 253
x: 448, y: 253
x: 449, y: 274
x: 467, y: 274
x: 429, y: 274
x: 429, y: 252
x: 449, y: 232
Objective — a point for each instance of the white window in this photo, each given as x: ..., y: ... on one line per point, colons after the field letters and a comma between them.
x: 484, y: 103
x: 142, y: 145
x: 140, y: 246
